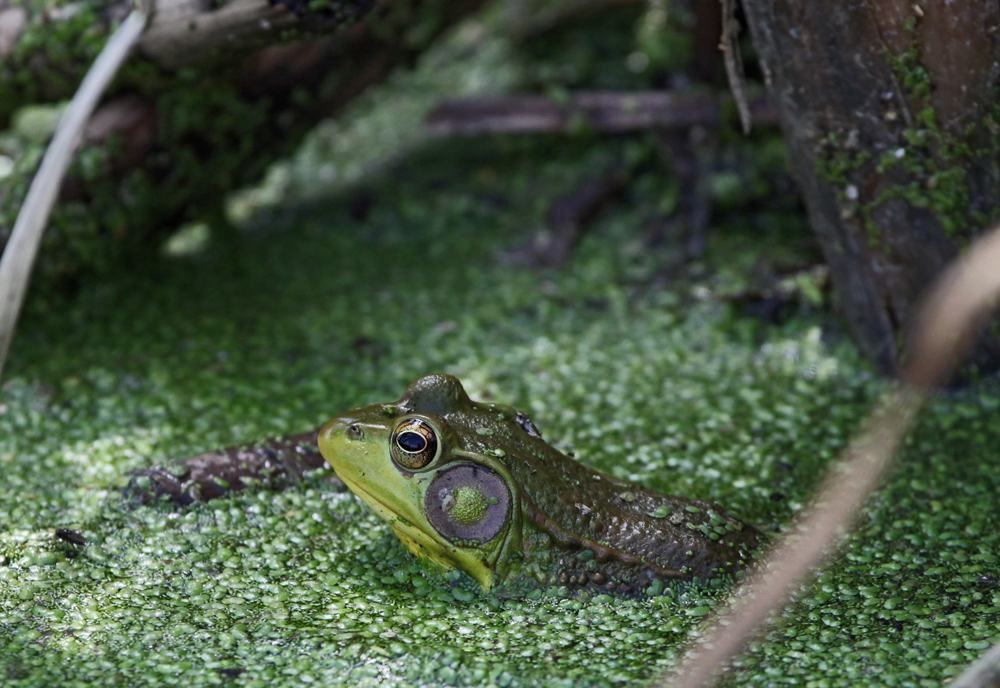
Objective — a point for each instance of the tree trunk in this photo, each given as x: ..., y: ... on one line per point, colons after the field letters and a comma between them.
x: 200, y: 112
x: 889, y: 111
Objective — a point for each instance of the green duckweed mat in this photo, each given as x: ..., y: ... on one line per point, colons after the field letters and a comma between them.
x: 637, y: 361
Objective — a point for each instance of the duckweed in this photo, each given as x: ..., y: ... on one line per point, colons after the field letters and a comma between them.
x: 315, y: 312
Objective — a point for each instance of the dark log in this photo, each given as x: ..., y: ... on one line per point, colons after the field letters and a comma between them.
x: 888, y: 110
x: 599, y: 111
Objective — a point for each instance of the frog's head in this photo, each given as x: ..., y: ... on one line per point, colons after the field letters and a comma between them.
x: 430, y: 464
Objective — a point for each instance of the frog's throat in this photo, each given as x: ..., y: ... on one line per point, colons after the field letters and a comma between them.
x: 567, y: 540
x: 419, y: 542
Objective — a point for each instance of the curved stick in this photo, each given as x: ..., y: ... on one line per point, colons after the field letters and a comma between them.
x: 22, y: 247
x: 946, y: 328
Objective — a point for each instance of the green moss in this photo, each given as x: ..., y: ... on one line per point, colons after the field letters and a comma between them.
x: 929, y: 169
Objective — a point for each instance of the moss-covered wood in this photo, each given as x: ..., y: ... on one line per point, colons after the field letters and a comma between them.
x: 170, y: 142
x: 889, y: 109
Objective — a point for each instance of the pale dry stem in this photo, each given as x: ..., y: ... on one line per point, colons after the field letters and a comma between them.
x: 22, y: 246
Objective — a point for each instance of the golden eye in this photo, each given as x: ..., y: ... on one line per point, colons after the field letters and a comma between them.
x: 414, y: 444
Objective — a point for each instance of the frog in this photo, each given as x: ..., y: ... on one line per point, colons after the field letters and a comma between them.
x: 472, y: 486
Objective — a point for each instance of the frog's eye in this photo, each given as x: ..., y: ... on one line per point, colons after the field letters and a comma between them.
x: 414, y: 444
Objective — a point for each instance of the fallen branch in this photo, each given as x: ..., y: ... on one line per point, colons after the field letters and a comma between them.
x: 186, y: 32
x: 606, y: 112
x: 946, y: 329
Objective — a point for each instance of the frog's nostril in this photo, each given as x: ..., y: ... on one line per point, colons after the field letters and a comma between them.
x: 354, y: 432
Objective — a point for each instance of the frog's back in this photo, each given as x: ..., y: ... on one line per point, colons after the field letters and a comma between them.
x: 636, y: 534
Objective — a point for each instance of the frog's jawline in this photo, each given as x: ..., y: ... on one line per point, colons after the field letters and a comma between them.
x: 358, y: 490
x: 365, y: 495
x: 602, y: 552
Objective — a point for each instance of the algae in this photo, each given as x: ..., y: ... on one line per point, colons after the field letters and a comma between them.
x: 654, y: 379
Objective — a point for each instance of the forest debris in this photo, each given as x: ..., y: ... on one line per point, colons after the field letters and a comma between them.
x: 254, y: 99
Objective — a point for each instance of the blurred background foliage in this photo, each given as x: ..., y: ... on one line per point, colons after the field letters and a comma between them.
x: 186, y: 197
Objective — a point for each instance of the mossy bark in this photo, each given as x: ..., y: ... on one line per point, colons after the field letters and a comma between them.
x: 889, y: 109
x: 172, y: 140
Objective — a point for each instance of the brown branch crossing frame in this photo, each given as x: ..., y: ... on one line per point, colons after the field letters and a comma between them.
x: 946, y: 328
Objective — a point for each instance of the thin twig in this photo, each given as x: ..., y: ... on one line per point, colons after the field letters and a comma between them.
x: 729, y: 44
x: 946, y: 328
x: 22, y: 247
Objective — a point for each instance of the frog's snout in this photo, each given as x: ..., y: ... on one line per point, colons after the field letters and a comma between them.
x: 346, y: 440
x: 335, y: 433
